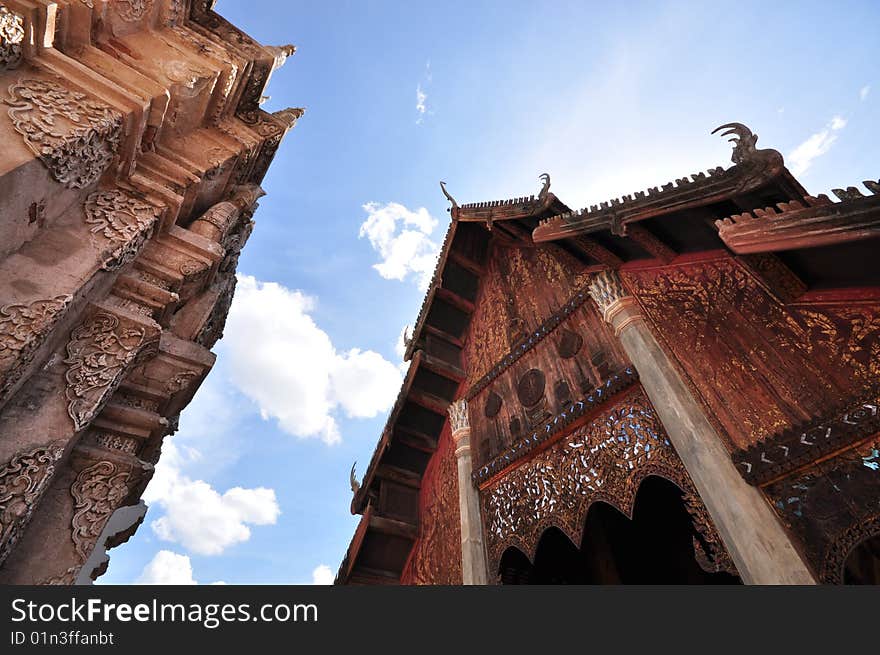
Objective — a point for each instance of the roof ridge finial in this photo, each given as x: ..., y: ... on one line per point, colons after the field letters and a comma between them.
x: 448, y: 197
x: 743, y: 143
x: 546, y: 188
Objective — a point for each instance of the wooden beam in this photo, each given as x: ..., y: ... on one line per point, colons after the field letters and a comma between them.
x: 429, y: 401
x: 394, y: 527
x: 439, y: 366
x: 650, y: 243
x: 441, y: 334
x: 597, y: 251
x: 466, y: 263
x: 450, y: 297
x: 415, y: 439
x: 399, y: 475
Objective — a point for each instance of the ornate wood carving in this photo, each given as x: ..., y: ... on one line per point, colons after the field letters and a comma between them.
x: 538, y: 313
x: 814, y: 221
x: 493, y: 405
x: 832, y: 506
x: 22, y: 329
x: 98, y: 353
x: 436, y: 556
x: 569, y: 344
x: 11, y: 38
x: 782, y: 453
x: 520, y: 448
x: 530, y: 388
x: 123, y: 220
x: 754, y: 167
x: 23, y: 480
x: 97, y: 492
x: 759, y: 366
x: 75, y: 137
x: 604, y: 460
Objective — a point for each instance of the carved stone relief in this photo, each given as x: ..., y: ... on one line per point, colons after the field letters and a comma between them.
x: 75, y: 137
x: 23, y: 480
x: 11, y: 37
x: 98, y: 352
x: 132, y: 10
x: 97, y: 492
x: 22, y: 328
x: 122, y: 219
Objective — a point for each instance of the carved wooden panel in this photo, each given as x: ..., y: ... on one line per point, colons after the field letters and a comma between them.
x: 832, y: 506
x: 759, y: 366
x: 436, y: 556
x: 519, y: 290
x: 604, y: 460
x: 523, y: 402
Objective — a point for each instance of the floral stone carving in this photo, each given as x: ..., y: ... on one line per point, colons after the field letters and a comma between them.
x: 11, y: 37
x: 23, y: 480
x: 98, y: 352
x: 22, y: 328
x: 123, y: 220
x: 75, y: 137
x: 98, y: 491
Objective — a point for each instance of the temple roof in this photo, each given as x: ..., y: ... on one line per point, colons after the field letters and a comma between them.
x: 755, y: 171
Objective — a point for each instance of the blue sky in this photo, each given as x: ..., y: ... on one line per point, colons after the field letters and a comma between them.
x: 609, y: 98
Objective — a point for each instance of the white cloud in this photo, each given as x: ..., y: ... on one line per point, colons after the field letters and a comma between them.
x: 197, y: 516
x: 286, y: 364
x: 167, y: 568
x: 802, y: 157
x: 322, y: 575
x: 402, y: 239
x: 864, y: 91
x: 421, y: 100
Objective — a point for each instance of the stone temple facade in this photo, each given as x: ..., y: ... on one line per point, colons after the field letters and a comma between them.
x: 133, y: 147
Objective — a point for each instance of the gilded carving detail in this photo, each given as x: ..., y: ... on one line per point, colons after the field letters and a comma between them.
x: 436, y: 558
x: 23, y: 480
x: 11, y: 37
x: 760, y: 366
x: 22, y: 328
x: 97, y: 492
x: 98, y: 353
x: 75, y: 137
x: 605, y: 460
x: 122, y: 219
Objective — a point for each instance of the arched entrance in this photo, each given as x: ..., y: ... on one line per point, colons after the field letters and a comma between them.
x: 656, y: 546
x: 863, y: 563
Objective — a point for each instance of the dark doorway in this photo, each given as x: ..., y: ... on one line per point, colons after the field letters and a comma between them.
x: 863, y: 564
x: 655, y: 547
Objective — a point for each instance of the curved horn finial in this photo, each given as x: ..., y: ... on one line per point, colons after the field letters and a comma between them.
x: 407, y: 340
x: 545, y: 177
x: 355, y: 485
x: 744, y: 140
x: 448, y: 197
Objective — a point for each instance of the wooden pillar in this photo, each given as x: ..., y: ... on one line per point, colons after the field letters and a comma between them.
x: 755, y: 539
x: 474, y: 569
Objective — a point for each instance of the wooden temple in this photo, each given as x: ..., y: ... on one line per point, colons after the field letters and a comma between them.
x: 675, y: 386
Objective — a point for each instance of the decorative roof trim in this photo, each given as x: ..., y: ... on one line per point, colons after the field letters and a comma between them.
x: 814, y: 221
x: 753, y: 168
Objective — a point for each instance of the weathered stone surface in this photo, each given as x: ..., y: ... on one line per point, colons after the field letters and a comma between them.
x: 132, y: 151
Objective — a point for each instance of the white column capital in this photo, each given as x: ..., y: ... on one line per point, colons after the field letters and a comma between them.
x: 613, y: 298
x: 458, y: 416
